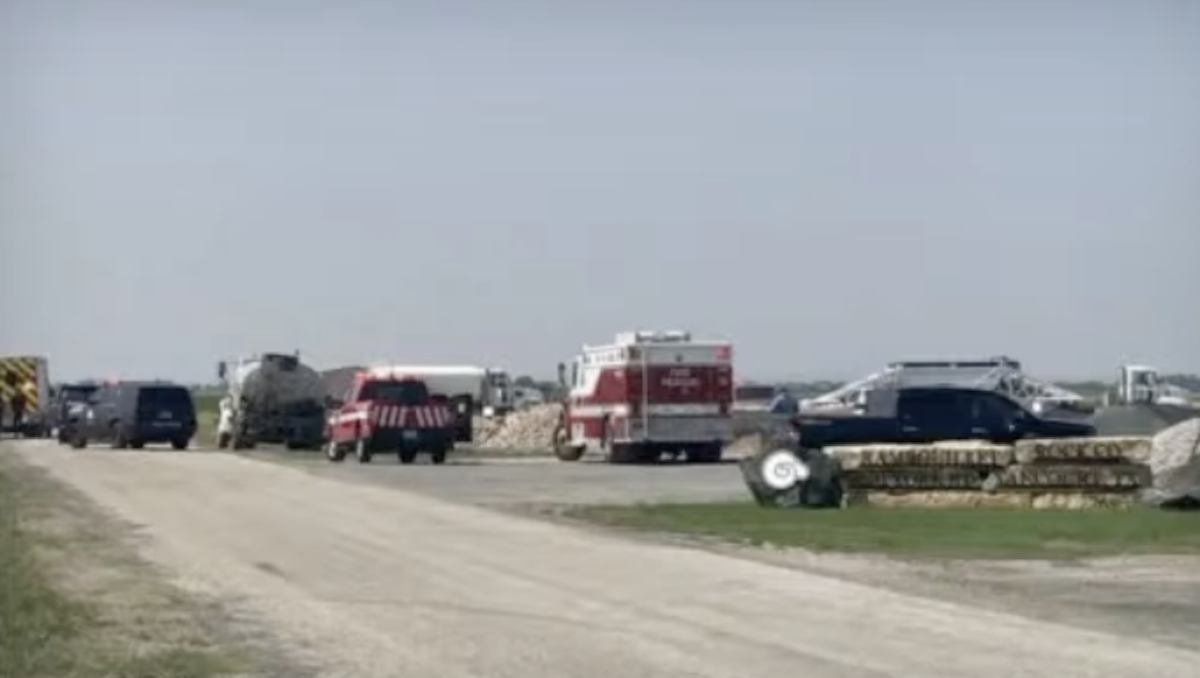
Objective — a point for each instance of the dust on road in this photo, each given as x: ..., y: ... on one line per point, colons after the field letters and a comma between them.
x: 369, y: 581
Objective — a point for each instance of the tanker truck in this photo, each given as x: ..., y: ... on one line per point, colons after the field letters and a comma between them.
x: 274, y: 398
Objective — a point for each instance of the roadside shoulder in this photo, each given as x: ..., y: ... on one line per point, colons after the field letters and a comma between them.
x: 78, y: 600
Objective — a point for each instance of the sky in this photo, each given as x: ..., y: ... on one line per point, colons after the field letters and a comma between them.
x: 829, y: 185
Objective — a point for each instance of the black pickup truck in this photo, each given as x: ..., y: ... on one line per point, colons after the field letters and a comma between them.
x: 929, y: 414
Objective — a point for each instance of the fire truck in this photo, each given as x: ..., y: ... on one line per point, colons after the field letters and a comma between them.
x: 390, y: 414
x: 645, y: 394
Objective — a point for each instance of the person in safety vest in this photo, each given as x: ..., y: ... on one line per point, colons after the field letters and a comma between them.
x: 18, y: 410
x: 225, y: 417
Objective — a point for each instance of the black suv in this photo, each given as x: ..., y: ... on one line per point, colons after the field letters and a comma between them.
x: 133, y: 414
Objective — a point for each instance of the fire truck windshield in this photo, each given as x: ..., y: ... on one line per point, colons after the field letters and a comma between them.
x: 394, y: 392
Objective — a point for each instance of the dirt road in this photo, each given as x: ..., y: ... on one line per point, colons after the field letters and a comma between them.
x: 370, y: 581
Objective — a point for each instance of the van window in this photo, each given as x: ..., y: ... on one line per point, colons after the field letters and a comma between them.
x: 171, y: 398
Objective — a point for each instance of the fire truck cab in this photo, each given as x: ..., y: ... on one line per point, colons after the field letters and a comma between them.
x: 392, y: 413
x: 645, y: 394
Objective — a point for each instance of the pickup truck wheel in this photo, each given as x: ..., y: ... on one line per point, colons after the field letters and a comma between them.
x: 78, y: 442
x: 438, y: 456
x: 361, y: 452
x: 334, y: 452
x: 408, y: 456
x: 179, y: 444
x: 136, y: 444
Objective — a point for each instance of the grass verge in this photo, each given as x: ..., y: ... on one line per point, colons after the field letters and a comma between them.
x: 943, y: 533
x: 75, y: 605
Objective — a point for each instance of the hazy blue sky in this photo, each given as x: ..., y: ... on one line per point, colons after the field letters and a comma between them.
x: 831, y: 185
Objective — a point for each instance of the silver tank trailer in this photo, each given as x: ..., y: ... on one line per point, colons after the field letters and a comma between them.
x: 276, y: 399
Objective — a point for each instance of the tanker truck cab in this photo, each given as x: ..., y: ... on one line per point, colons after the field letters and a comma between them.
x: 390, y: 413
x: 646, y: 394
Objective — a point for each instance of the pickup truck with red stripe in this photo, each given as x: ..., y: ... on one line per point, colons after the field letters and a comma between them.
x: 390, y: 414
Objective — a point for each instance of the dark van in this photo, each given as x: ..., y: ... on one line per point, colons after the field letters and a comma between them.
x: 135, y: 414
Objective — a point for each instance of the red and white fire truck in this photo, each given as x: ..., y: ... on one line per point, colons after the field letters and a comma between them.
x: 390, y: 413
x: 645, y: 394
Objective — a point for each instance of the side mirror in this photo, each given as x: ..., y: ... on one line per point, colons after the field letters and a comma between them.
x: 221, y: 370
x: 562, y: 375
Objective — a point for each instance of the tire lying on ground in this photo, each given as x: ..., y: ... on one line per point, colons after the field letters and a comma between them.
x: 788, y: 478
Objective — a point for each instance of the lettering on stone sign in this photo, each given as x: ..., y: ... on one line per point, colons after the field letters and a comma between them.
x: 1072, y: 450
x: 917, y: 478
x: 935, y: 457
x: 1114, y: 478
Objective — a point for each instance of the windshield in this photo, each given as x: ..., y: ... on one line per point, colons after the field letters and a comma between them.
x: 164, y: 398
x: 77, y: 394
x: 394, y: 392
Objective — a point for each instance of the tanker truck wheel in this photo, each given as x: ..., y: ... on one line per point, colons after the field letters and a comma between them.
x: 361, y: 452
x: 334, y: 452
x: 563, y: 449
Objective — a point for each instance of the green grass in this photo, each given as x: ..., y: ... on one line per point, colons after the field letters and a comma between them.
x: 206, y: 418
x: 933, y: 532
x: 45, y: 633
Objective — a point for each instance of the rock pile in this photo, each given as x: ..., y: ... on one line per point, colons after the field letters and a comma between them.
x: 532, y: 429
x: 529, y: 429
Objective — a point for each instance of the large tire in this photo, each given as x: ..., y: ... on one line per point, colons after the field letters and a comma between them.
x: 136, y: 444
x: 180, y: 443
x: 362, y: 452
x: 78, y: 442
x: 407, y: 456
x: 438, y: 456
x: 562, y: 447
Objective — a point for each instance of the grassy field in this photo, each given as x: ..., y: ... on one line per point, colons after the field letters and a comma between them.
x: 949, y: 533
x: 73, y: 607
x: 206, y: 418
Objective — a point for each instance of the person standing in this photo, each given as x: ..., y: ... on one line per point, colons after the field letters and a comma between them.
x: 784, y: 403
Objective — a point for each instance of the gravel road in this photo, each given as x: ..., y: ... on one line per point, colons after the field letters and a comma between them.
x: 499, y: 481
x: 360, y: 580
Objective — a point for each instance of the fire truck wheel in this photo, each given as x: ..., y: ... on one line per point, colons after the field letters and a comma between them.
x: 361, y: 452
x: 334, y: 452
x: 563, y: 449
x: 408, y: 456
x: 438, y: 456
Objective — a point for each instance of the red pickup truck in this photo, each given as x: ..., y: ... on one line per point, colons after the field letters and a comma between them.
x: 383, y: 414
